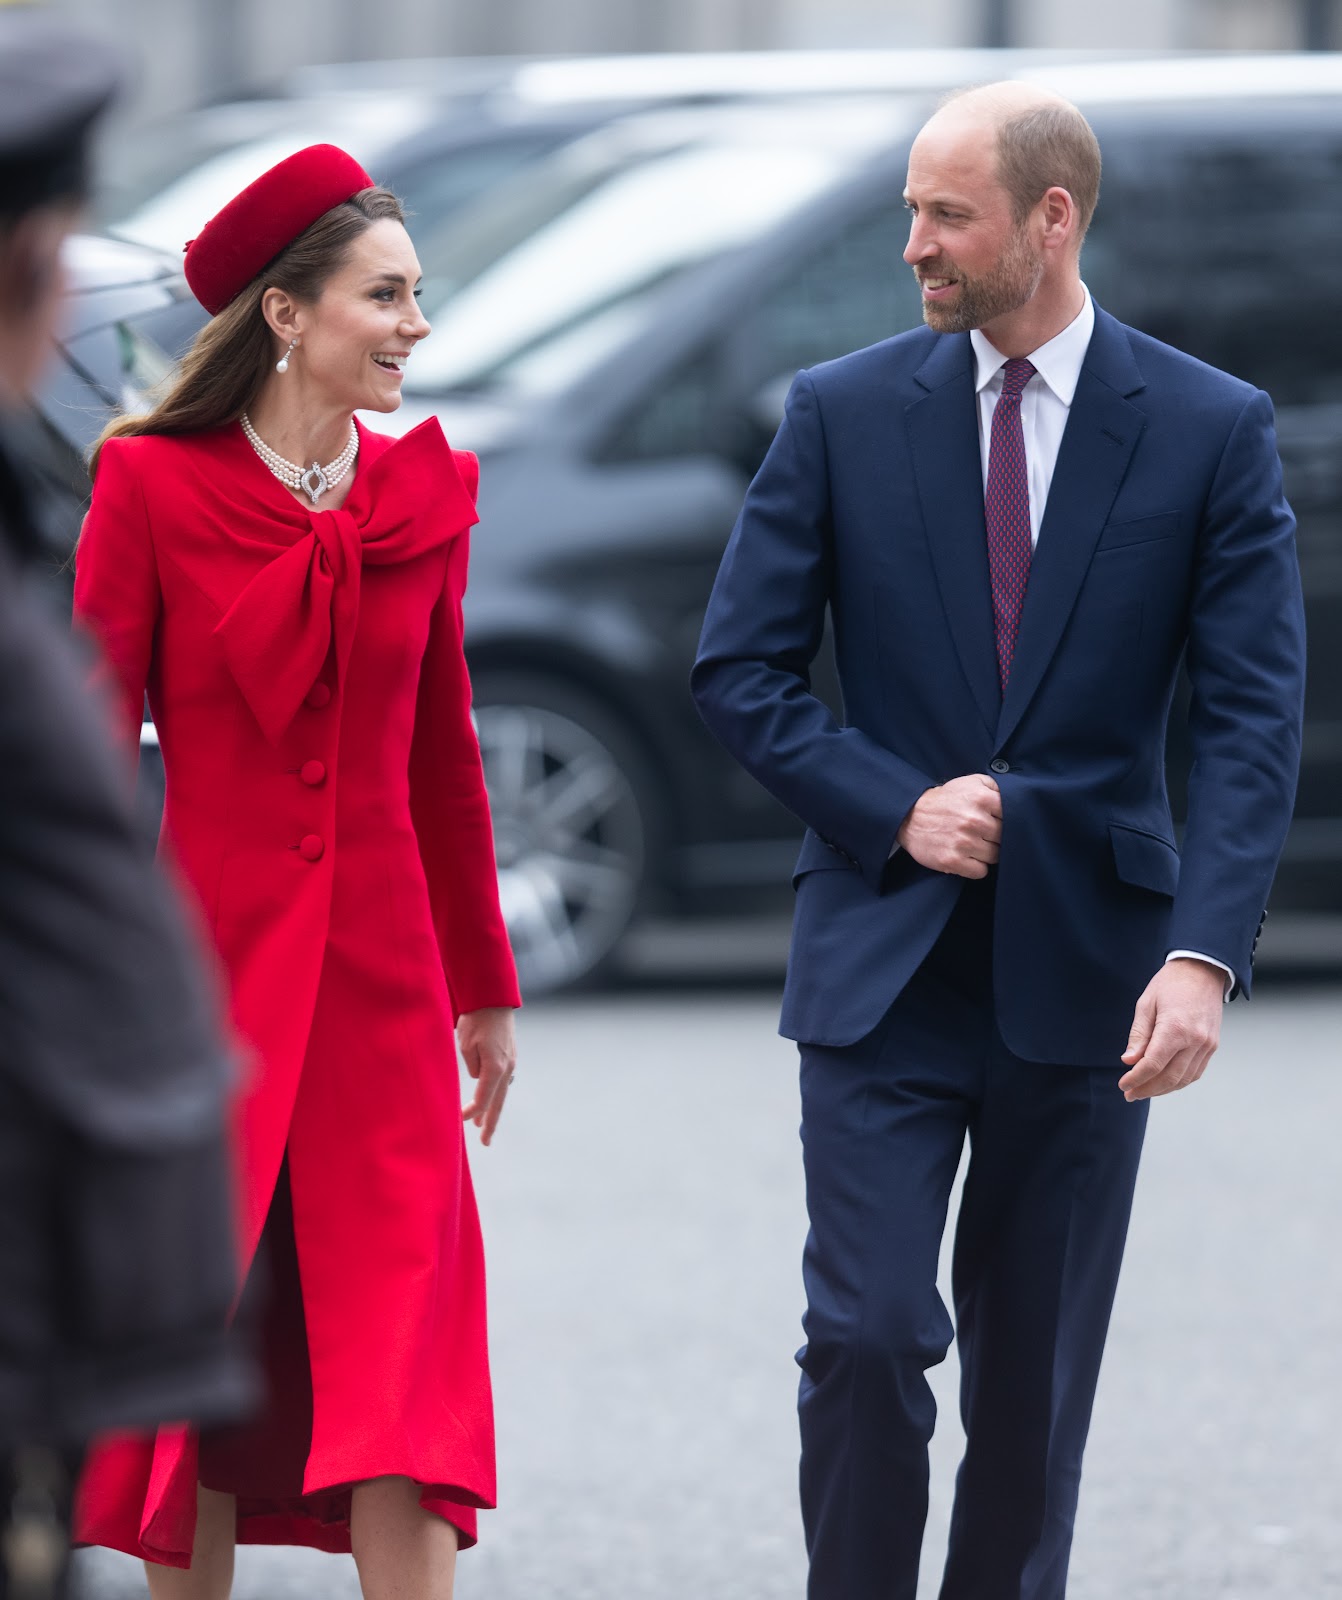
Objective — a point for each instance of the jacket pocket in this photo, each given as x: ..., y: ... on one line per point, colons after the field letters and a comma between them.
x: 817, y: 856
x: 1142, y: 530
x: 1144, y: 859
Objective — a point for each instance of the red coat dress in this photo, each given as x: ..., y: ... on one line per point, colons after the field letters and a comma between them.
x: 326, y: 806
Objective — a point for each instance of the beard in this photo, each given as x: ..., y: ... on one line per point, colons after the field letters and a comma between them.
x: 1006, y: 287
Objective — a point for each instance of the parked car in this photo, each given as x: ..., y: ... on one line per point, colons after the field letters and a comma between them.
x: 163, y: 182
x: 442, y: 132
x: 616, y: 324
x: 615, y: 330
x: 128, y: 316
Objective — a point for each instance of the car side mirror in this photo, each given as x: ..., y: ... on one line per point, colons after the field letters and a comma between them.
x: 756, y: 423
x: 770, y: 401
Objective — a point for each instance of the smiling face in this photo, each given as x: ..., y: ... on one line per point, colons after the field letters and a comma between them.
x: 974, y: 262
x: 356, y: 337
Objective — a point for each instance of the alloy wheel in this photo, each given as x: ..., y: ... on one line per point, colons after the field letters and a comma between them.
x: 569, y: 837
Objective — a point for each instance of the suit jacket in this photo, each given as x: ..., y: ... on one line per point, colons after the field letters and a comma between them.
x: 1165, y: 533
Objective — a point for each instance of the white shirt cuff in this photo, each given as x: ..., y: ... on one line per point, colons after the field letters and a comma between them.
x: 1197, y: 955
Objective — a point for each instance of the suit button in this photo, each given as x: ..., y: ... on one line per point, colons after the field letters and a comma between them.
x: 319, y: 695
x: 312, y: 773
x: 999, y: 765
x: 311, y: 847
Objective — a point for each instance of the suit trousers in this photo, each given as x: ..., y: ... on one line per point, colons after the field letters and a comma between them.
x: 1054, y: 1152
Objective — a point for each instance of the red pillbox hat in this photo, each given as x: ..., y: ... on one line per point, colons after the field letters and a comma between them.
x: 255, y: 226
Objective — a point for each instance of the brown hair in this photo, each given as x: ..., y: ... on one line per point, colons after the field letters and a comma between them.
x: 1047, y: 147
x: 222, y: 372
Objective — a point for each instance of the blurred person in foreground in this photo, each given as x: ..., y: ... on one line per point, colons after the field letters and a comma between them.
x: 1020, y: 517
x: 288, y: 585
x: 117, y: 1263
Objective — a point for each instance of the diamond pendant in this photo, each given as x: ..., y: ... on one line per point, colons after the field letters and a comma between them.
x: 314, y: 483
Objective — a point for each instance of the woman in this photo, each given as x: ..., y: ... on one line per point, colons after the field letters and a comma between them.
x: 287, y: 586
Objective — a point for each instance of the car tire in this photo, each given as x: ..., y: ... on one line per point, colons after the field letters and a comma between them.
x: 576, y: 825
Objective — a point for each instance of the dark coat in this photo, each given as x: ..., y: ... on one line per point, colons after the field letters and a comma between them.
x: 1165, y: 532
x: 117, y: 1261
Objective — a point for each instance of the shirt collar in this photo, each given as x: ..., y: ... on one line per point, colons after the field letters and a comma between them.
x: 1058, y: 362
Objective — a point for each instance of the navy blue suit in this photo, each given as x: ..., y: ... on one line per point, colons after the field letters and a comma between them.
x: 928, y: 1006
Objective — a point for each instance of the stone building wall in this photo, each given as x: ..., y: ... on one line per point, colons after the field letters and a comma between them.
x: 193, y: 50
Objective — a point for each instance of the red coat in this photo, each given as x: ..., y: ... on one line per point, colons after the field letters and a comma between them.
x: 326, y: 805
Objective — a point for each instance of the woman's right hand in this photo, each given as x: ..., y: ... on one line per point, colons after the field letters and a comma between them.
x: 489, y: 1048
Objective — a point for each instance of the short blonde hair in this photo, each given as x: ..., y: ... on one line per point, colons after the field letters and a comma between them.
x: 1047, y: 147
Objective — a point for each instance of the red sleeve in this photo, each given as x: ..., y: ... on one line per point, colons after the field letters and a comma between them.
x: 117, y: 596
x: 451, y: 812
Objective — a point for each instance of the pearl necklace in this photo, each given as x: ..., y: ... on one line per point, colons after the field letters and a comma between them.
x: 315, y: 480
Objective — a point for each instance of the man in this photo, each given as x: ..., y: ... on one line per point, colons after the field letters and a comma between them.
x: 1019, y: 518
x: 116, y: 1259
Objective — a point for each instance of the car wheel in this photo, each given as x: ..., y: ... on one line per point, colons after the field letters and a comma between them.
x: 573, y: 825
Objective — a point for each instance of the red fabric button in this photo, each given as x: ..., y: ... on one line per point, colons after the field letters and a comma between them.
x: 312, y: 773
x: 312, y: 847
x: 319, y: 695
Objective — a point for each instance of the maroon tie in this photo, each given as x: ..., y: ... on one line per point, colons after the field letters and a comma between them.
x: 1006, y: 508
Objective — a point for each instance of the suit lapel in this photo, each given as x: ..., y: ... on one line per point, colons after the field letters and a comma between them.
x: 1097, y: 445
x: 944, y: 443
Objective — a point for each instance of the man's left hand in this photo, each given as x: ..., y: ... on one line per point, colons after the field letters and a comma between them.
x: 1176, y: 1029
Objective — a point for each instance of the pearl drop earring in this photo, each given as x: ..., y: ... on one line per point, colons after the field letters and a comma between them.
x: 282, y: 365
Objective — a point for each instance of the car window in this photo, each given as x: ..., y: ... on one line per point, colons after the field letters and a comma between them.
x: 1226, y: 244
x: 681, y: 417
x: 434, y: 183
x: 534, y: 287
x: 121, y: 365
x: 854, y: 291
x: 169, y: 328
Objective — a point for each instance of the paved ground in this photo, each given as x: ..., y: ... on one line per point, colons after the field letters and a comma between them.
x: 644, y: 1217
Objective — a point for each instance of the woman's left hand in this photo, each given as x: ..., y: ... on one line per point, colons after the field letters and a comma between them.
x: 489, y: 1050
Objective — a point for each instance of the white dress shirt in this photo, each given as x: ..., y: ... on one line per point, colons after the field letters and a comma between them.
x: 1046, y: 402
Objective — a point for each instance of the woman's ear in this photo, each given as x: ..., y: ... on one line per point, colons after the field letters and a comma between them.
x: 282, y: 313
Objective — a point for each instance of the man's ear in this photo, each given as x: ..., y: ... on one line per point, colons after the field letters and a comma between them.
x: 31, y: 279
x: 1059, y: 217
x: 30, y: 259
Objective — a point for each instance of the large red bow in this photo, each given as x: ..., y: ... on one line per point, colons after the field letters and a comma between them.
x: 278, y: 632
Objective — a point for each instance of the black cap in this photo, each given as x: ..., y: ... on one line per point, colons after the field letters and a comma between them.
x: 55, y: 79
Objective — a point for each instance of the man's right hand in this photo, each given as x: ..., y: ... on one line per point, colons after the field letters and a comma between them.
x: 956, y: 827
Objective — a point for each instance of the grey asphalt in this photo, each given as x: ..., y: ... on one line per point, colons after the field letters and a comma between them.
x: 644, y: 1219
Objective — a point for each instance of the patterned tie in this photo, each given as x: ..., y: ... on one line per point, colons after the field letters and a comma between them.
x: 1007, y: 513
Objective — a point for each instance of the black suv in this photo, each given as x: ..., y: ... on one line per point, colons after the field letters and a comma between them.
x: 615, y: 331
x: 616, y: 325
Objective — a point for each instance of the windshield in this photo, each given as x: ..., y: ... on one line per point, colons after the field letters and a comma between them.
x: 534, y: 286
